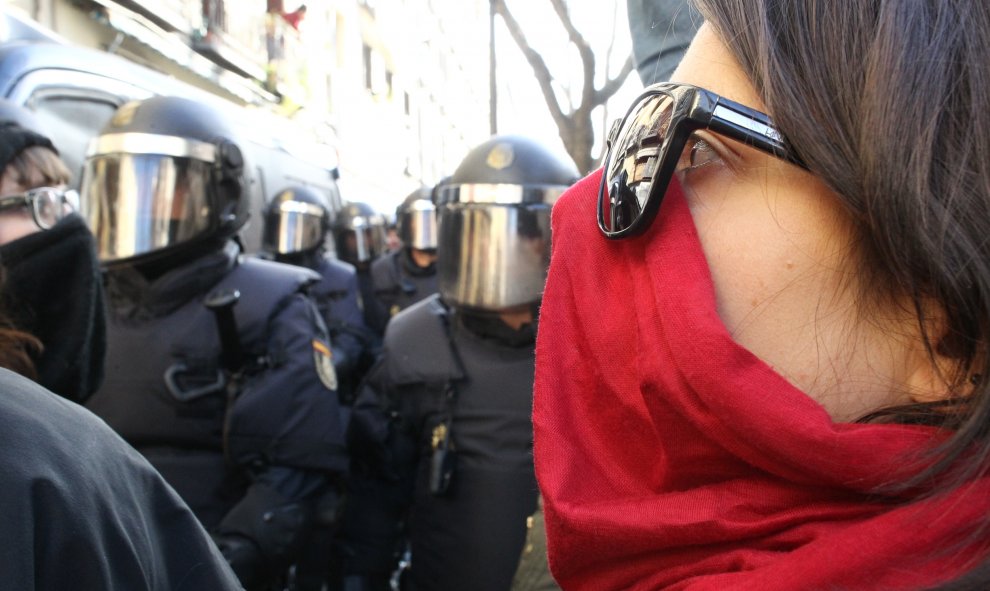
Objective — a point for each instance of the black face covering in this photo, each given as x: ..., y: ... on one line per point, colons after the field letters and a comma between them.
x: 415, y: 270
x: 488, y: 325
x: 53, y: 291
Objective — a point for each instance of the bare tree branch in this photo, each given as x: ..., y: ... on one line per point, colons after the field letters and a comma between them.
x: 575, y: 125
x: 584, y: 50
x: 612, y: 86
x: 606, y: 116
x: 543, y: 75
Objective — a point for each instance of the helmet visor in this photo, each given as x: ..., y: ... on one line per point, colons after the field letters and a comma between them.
x: 362, y: 240
x: 493, y: 257
x: 297, y: 227
x: 418, y: 227
x: 141, y: 203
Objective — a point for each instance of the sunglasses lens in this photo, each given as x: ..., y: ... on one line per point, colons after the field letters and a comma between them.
x: 634, y: 156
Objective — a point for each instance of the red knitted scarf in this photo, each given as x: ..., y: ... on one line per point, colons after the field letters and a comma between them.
x: 670, y: 457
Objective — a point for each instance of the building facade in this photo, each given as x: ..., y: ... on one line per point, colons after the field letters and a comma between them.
x: 398, y: 87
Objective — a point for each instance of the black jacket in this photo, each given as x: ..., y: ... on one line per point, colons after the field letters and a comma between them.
x: 83, y: 510
x: 472, y: 536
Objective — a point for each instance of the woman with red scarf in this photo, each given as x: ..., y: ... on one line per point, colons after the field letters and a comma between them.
x: 764, y: 350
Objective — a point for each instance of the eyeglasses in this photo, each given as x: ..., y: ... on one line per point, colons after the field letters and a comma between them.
x: 48, y: 204
x: 645, y: 146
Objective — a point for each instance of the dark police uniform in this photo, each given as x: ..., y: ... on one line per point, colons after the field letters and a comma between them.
x: 444, y: 416
x: 398, y: 282
x: 375, y: 313
x: 219, y: 367
x: 337, y: 296
x: 297, y: 221
x: 359, y: 239
x: 269, y: 439
x: 470, y: 536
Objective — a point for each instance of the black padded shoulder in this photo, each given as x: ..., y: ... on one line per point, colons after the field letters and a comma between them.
x: 278, y: 273
x: 264, y: 287
x: 383, y: 272
x: 418, y: 347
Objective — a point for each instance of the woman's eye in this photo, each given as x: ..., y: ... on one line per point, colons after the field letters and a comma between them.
x: 696, y: 154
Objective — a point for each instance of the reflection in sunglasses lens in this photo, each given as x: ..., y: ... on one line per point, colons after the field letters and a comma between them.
x: 635, y: 157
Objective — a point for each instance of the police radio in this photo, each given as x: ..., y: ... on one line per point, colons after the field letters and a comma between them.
x: 443, y: 459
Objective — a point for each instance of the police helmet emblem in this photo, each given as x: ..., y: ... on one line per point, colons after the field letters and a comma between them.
x: 323, y: 358
x: 501, y: 156
x: 394, y: 310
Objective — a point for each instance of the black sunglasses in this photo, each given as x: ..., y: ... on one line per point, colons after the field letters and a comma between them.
x: 645, y: 146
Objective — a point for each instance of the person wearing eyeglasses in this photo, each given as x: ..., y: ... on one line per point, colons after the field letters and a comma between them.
x: 764, y: 348
x: 46, y: 249
x: 82, y: 509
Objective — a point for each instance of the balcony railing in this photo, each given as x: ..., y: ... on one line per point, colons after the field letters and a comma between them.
x: 183, y: 16
x: 235, y: 38
x: 255, y: 40
x: 249, y: 37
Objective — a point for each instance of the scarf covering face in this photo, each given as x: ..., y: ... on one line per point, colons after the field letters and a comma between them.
x: 672, y: 458
x: 53, y: 290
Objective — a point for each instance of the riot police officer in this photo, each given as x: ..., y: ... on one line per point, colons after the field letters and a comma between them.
x: 359, y: 237
x: 297, y: 223
x: 446, y: 411
x: 218, y: 366
x: 407, y: 275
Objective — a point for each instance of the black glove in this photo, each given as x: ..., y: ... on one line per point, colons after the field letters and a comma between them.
x: 263, y: 534
x: 244, y: 559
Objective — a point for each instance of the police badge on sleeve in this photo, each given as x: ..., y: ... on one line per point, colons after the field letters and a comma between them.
x: 323, y: 359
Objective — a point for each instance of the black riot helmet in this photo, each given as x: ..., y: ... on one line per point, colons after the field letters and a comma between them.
x: 494, y: 223
x: 359, y: 234
x: 416, y: 220
x: 164, y: 177
x: 297, y: 220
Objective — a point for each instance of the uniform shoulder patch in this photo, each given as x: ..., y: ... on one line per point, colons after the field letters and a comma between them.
x: 323, y: 359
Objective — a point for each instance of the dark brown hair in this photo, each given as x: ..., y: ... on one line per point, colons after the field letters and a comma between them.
x: 17, y: 348
x: 889, y: 103
x: 53, y: 171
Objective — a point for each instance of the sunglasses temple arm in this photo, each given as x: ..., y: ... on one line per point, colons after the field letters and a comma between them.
x: 752, y: 128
